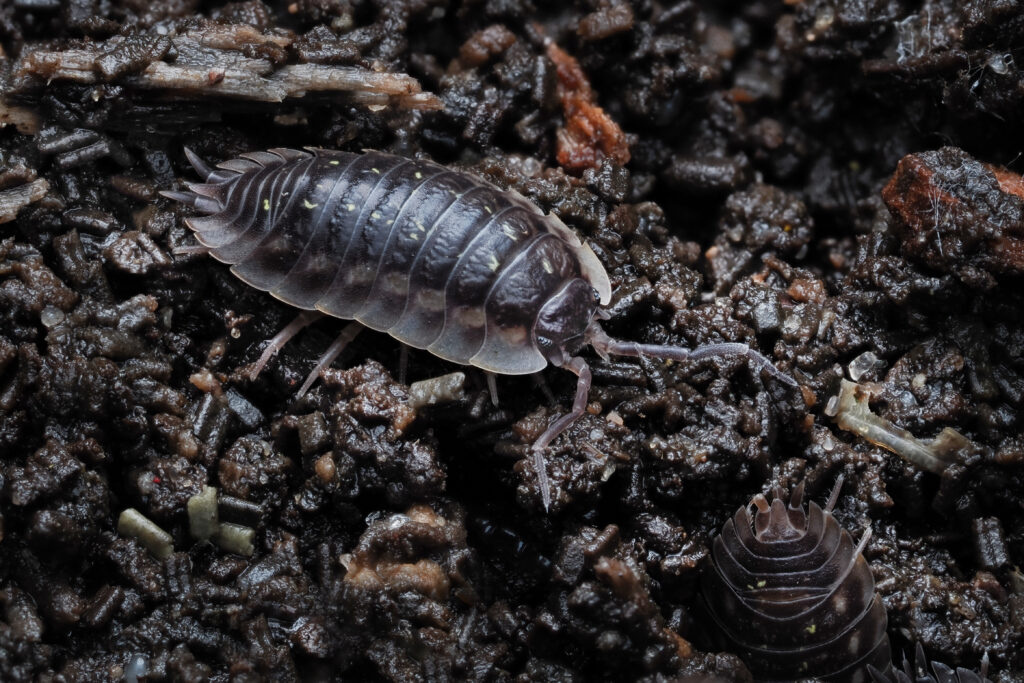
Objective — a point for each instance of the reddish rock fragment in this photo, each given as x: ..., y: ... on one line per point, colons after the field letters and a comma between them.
x: 957, y: 214
x: 485, y: 44
x: 606, y: 22
x: 589, y: 134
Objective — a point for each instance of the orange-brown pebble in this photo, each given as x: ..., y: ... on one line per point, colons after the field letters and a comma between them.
x: 807, y: 290
x: 589, y: 134
x: 205, y: 381
x: 424, y: 514
x: 1009, y: 182
x: 484, y: 44
x: 912, y: 193
x: 988, y: 582
x: 683, y: 647
x: 325, y: 468
x: 606, y: 22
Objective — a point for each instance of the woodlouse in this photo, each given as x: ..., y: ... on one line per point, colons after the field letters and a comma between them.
x: 439, y: 259
x: 920, y: 672
x: 794, y: 595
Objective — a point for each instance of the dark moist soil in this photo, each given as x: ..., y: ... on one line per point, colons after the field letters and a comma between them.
x: 768, y: 198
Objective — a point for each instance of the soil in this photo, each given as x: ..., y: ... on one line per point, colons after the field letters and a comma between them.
x: 834, y: 182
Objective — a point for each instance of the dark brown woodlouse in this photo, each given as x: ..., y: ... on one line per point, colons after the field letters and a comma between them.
x: 794, y: 595
x: 918, y: 672
x: 439, y: 259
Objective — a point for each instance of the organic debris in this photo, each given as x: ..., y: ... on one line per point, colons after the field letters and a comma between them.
x: 851, y: 412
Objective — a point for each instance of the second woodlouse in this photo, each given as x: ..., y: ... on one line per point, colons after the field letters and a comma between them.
x: 439, y: 259
x: 794, y: 595
x: 921, y: 672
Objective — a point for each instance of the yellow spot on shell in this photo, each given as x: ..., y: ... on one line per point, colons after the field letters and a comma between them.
x: 413, y: 236
x: 811, y: 629
x: 375, y: 214
x: 762, y: 583
x: 510, y: 232
x: 350, y: 207
x: 419, y: 226
x: 305, y: 203
x: 488, y: 209
x: 376, y: 170
x: 548, y: 268
x: 266, y: 205
x: 334, y: 162
x: 418, y: 175
x: 494, y: 263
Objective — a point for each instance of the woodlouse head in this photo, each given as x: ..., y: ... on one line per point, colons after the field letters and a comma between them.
x: 777, y: 521
x: 563, y: 321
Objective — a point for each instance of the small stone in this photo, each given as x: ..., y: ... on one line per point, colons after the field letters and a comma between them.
x: 51, y: 316
x: 864, y: 364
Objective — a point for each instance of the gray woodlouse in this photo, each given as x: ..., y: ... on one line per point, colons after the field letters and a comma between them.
x: 438, y: 259
x: 794, y: 595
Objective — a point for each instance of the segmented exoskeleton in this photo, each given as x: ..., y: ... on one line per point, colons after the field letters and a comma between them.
x: 794, y: 595
x: 920, y: 671
x: 438, y: 259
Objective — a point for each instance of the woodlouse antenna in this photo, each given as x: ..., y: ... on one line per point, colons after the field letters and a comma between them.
x: 605, y: 346
x: 865, y: 537
x: 834, y: 496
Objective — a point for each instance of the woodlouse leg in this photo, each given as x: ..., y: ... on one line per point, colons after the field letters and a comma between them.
x: 492, y: 386
x: 863, y: 542
x: 350, y: 332
x: 834, y: 496
x: 403, y: 363
x: 542, y: 385
x: 190, y: 249
x: 282, y: 338
x: 580, y: 368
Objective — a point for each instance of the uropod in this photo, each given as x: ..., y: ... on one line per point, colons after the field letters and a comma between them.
x: 437, y: 258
